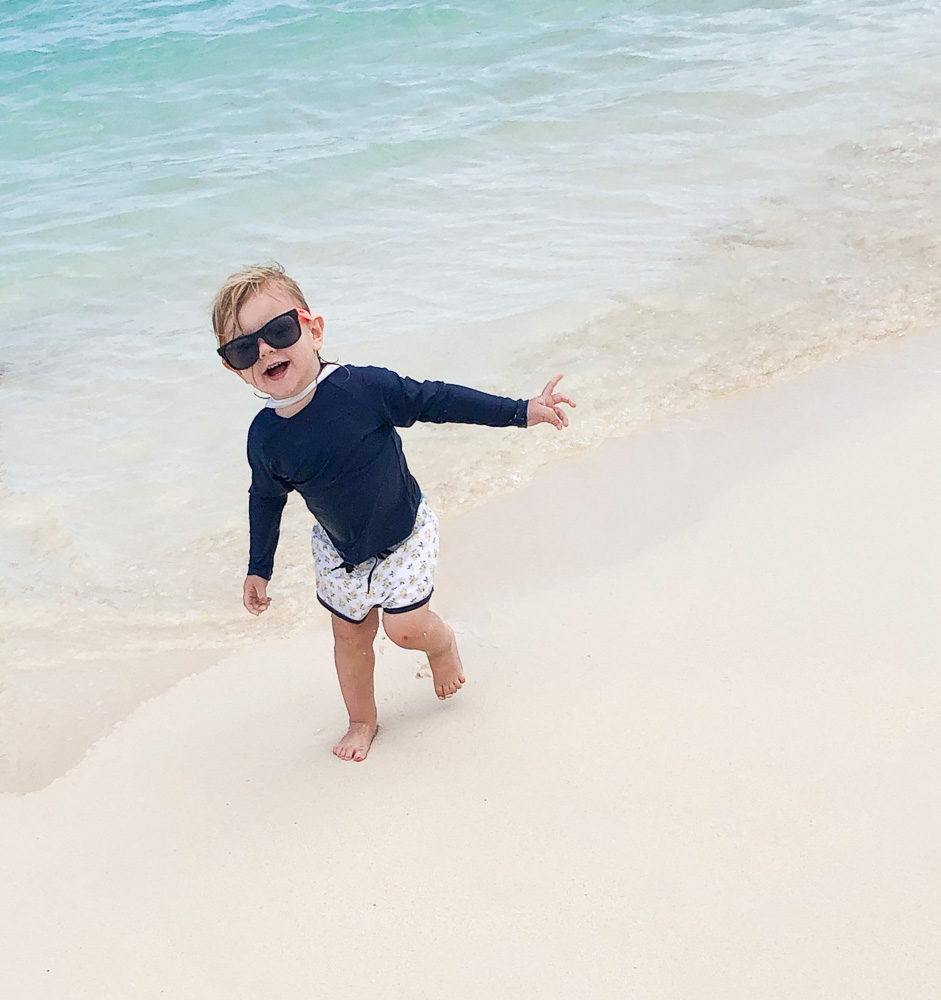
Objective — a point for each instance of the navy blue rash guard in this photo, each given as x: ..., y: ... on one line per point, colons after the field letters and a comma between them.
x: 344, y: 456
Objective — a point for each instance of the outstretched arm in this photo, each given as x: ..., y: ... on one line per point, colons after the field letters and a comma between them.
x: 545, y: 409
x: 404, y: 401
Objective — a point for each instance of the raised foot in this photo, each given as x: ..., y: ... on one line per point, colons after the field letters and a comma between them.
x: 356, y: 741
x: 447, y: 670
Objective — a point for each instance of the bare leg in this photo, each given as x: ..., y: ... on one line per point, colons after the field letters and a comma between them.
x: 423, y: 629
x: 356, y: 664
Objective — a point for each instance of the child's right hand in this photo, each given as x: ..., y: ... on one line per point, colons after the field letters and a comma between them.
x: 254, y: 594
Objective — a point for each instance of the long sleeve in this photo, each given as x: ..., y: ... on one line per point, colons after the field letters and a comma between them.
x: 266, y: 499
x: 406, y: 401
x: 264, y: 521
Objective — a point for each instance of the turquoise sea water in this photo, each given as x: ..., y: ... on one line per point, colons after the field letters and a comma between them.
x: 666, y: 200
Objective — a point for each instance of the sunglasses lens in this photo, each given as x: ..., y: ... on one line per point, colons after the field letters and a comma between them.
x: 280, y: 332
x: 241, y: 353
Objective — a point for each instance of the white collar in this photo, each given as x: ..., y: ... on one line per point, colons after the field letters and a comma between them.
x: 279, y: 404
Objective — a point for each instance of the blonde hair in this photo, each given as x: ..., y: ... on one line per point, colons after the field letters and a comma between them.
x: 241, y: 286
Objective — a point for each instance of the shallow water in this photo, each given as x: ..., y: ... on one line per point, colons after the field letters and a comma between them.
x: 666, y: 201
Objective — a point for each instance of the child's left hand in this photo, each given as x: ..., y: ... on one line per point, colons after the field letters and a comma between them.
x: 544, y: 408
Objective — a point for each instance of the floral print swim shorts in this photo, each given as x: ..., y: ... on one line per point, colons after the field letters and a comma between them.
x: 402, y: 581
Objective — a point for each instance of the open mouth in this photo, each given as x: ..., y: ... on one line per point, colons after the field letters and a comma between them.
x: 277, y: 369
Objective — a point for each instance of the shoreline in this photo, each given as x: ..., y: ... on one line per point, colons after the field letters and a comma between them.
x: 702, y: 699
x: 88, y: 702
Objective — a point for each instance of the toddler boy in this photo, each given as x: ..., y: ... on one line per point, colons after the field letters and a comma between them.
x: 329, y: 432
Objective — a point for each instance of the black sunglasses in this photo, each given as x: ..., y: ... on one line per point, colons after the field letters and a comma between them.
x: 282, y: 331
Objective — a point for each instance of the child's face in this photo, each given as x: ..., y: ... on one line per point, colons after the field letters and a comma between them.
x: 280, y: 372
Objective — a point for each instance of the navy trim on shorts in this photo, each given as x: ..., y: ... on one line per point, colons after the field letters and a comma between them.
x: 388, y: 611
x: 352, y: 621
x: 410, y: 607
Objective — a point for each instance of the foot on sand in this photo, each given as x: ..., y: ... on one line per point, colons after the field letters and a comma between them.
x: 447, y: 670
x: 355, y: 743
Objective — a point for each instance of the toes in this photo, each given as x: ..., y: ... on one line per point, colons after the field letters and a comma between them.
x: 448, y: 688
x: 356, y: 744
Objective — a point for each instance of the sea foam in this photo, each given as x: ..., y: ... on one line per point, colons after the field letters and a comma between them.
x: 666, y: 201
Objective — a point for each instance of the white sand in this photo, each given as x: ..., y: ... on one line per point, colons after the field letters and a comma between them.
x: 697, y: 756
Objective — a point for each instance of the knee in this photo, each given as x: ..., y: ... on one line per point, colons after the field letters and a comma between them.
x: 399, y: 632
x: 414, y: 630
x: 352, y: 636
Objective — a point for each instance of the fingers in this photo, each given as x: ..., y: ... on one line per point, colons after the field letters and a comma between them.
x: 552, y: 398
x: 556, y: 417
x: 548, y: 409
x: 254, y: 606
x: 543, y: 412
x: 254, y: 597
x: 549, y: 415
